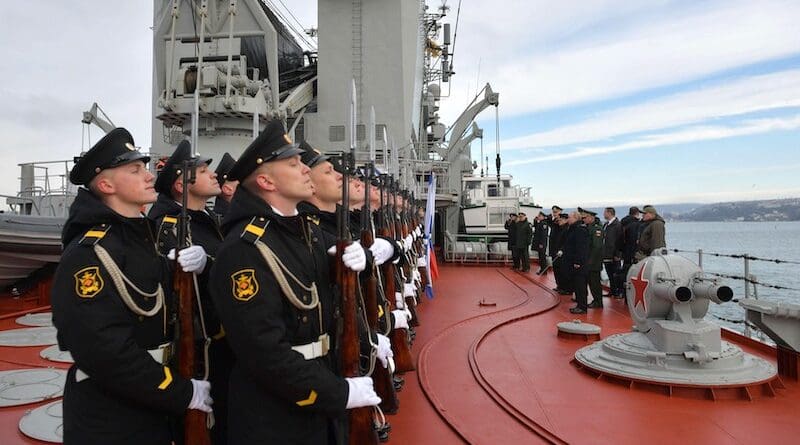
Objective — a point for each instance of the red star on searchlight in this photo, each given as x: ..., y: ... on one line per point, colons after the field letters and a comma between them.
x: 640, y: 286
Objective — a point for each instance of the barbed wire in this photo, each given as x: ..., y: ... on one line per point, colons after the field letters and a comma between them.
x: 741, y: 256
x: 752, y: 281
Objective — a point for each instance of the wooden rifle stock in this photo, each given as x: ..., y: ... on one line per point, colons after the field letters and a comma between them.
x: 195, y: 429
x: 361, y: 426
x: 384, y: 384
x: 398, y: 337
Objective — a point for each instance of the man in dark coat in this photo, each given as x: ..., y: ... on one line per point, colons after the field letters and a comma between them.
x: 576, y: 256
x: 595, y: 263
x: 510, y: 226
x: 522, y: 240
x: 271, y: 284
x: 560, y: 272
x: 121, y: 389
x: 540, y: 242
x: 612, y: 250
x: 204, y: 239
x: 631, y: 226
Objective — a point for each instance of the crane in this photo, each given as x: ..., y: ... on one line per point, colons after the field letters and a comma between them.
x: 92, y: 117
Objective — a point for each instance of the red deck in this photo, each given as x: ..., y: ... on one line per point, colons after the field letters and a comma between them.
x: 500, y: 375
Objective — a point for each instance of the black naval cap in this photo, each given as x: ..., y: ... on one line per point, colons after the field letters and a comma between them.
x: 172, y: 169
x: 563, y: 216
x: 586, y: 213
x: 225, y: 165
x: 311, y: 156
x: 271, y: 145
x: 112, y: 150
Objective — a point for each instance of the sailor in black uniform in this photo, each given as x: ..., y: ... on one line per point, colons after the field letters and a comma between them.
x: 113, y: 308
x: 227, y: 187
x: 204, y: 239
x: 271, y: 285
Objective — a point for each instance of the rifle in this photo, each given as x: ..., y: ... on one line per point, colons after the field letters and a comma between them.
x: 195, y: 422
x: 398, y: 337
x: 362, y: 429
x: 402, y: 228
x: 384, y: 385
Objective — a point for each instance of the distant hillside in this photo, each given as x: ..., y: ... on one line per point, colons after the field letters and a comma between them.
x: 766, y: 210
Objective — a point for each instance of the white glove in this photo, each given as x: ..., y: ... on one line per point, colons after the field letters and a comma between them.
x: 201, y: 398
x: 408, y: 314
x: 384, y: 352
x: 409, y: 290
x: 399, y: 301
x: 353, y: 257
x: 422, y: 261
x: 407, y: 241
x: 417, y: 276
x: 362, y: 392
x: 418, y: 232
x: 382, y: 251
x: 191, y: 259
x: 400, y: 319
x: 560, y: 253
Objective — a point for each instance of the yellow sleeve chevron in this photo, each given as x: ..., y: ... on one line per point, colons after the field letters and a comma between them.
x: 312, y: 397
x: 167, y: 379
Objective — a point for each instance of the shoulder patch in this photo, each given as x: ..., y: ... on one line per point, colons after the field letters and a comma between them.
x: 244, y: 284
x: 88, y: 282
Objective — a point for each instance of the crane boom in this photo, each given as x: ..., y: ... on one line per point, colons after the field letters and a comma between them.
x: 92, y: 117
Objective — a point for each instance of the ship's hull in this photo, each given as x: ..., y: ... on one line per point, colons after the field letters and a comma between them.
x: 27, y: 243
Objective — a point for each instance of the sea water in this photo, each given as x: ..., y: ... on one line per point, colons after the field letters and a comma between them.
x: 769, y: 240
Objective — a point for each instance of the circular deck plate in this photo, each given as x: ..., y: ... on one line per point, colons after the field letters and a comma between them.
x: 44, y: 423
x: 23, y: 386
x: 42, y: 336
x: 633, y: 356
x: 576, y: 327
x: 41, y: 319
x: 54, y: 354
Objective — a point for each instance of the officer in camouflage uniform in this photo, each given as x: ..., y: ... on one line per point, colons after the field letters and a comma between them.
x: 113, y: 309
x: 271, y: 285
x: 595, y: 263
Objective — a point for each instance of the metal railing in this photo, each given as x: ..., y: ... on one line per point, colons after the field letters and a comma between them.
x: 750, y: 281
x: 476, y: 249
x: 751, y: 285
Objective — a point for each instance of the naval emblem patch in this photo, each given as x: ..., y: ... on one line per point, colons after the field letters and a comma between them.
x: 244, y: 284
x: 88, y: 282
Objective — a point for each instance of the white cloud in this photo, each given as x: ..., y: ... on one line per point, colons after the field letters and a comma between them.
x: 681, y: 136
x: 741, y: 96
x: 631, y: 57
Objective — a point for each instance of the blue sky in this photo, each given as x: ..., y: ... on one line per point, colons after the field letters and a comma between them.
x: 618, y: 102
x: 601, y: 101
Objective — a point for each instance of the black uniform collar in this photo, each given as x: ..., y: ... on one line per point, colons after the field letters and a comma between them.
x: 88, y: 211
x: 245, y: 205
